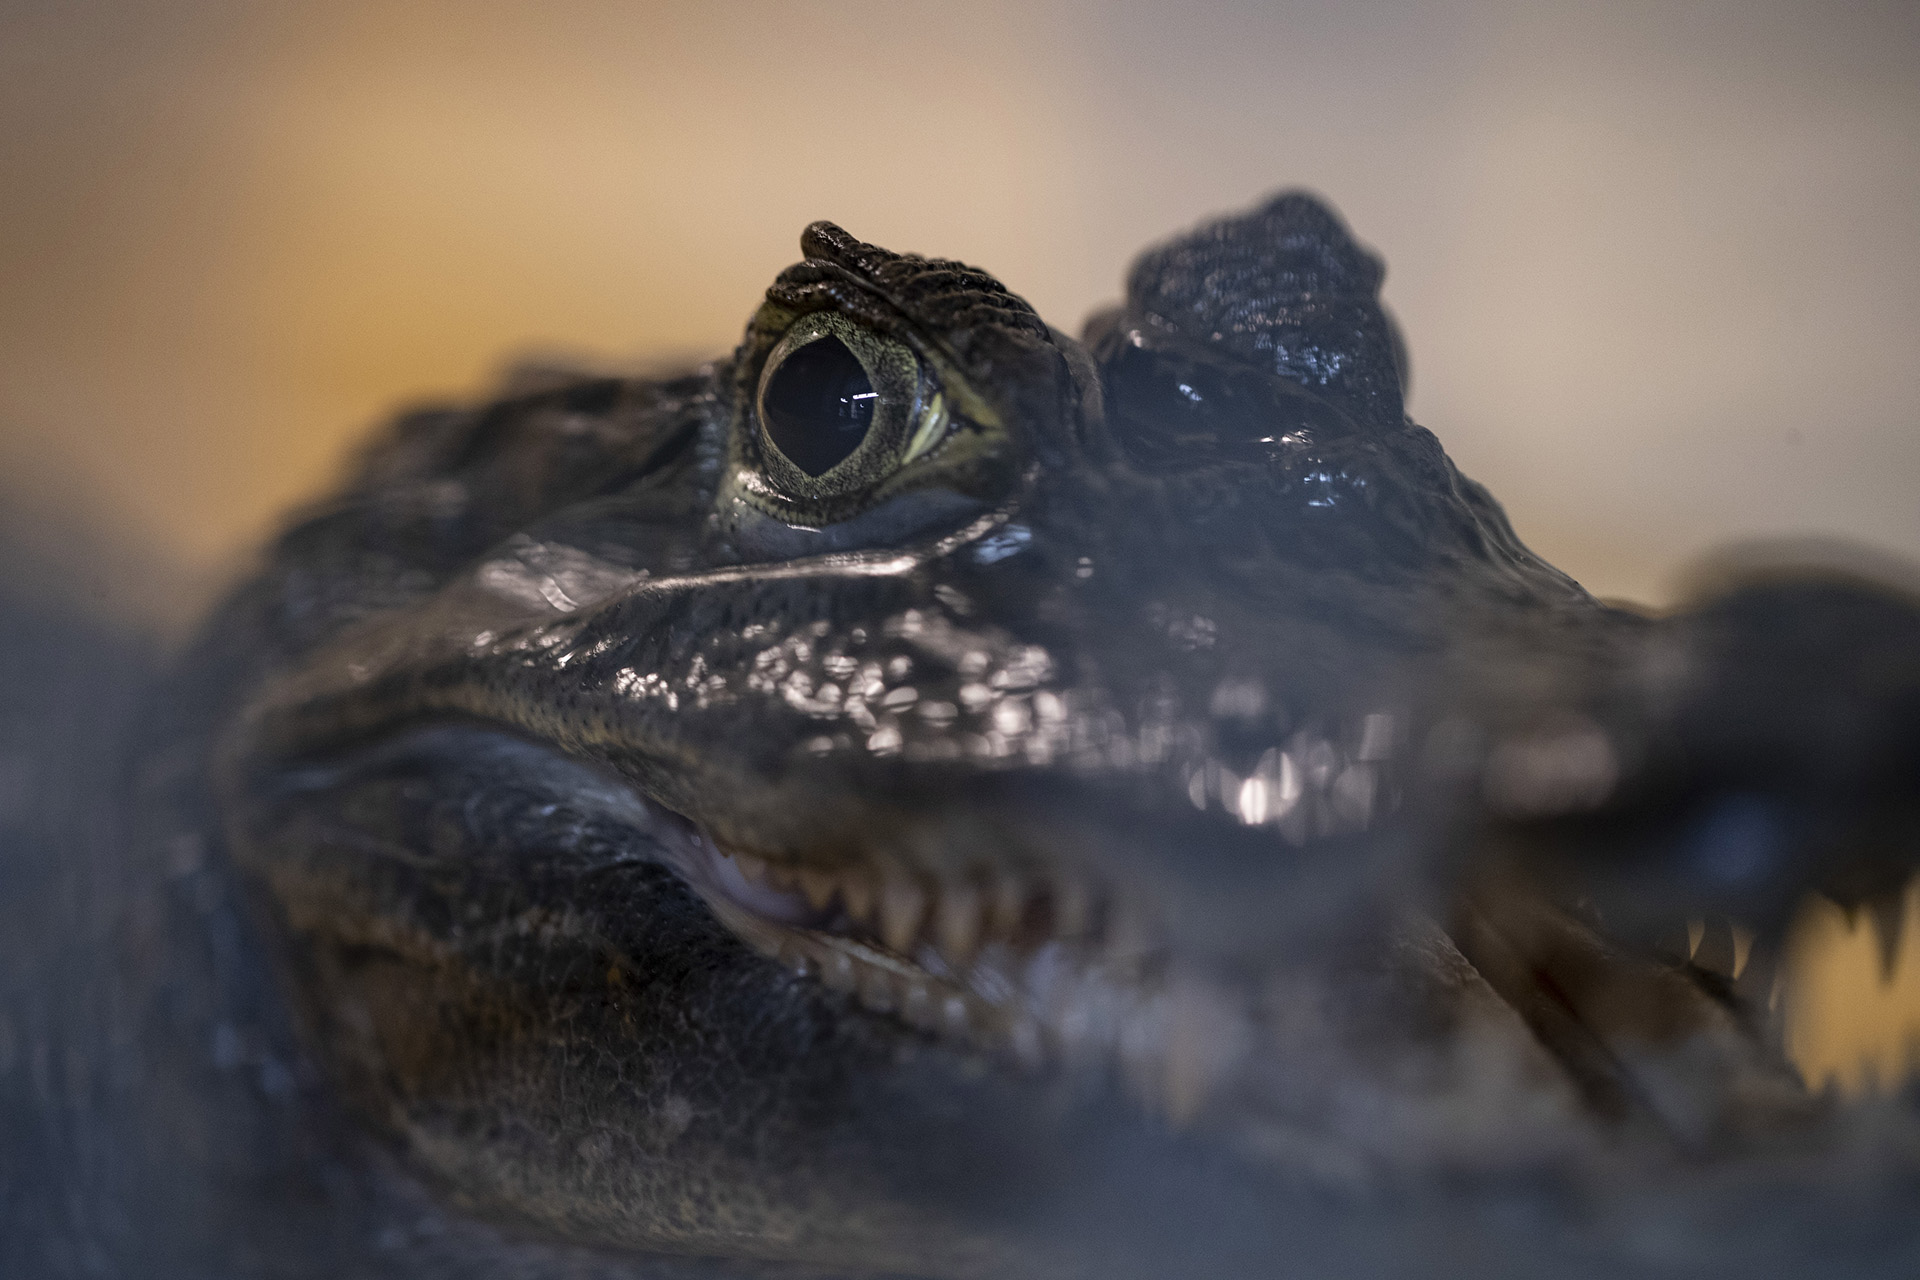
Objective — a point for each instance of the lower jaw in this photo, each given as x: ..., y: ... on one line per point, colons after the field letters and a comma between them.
x: 1189, y: 1045
x: 1103, y: 1000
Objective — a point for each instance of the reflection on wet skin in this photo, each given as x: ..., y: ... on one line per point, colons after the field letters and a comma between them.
x: 929, y: 795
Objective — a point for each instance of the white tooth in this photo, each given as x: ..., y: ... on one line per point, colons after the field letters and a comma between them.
x: 1742, y: 948
x: 836, y: 970
x: 958, y: 919
x: 818, y: 886
x: 754, y: 869
x: 1072, y: 909
x: 856, y: 895
x: 903, y: 904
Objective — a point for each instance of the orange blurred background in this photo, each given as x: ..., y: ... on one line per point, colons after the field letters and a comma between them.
x: 1658, y: 263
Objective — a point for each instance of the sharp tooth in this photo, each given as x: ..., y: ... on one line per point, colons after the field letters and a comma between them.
x: 1755, y: 982
x: 903, y: 905
x: 958, y: 919
x: 754, y: 869
x: 819, y: 887
x: 856, y: 895
x: 1742, y: 948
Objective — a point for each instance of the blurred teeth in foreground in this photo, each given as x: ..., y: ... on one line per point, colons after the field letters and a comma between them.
x: 1048, y: 972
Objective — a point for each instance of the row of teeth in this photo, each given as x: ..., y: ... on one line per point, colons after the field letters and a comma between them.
x: 906, y: 912
x: 968, y: 963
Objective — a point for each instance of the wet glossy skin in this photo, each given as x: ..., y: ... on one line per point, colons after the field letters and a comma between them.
x: 1142, y: 812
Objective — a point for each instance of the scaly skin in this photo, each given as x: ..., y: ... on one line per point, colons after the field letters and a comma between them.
x: 1148, y: 815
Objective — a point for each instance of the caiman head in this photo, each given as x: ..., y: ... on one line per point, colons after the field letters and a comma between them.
x: 931, y: 795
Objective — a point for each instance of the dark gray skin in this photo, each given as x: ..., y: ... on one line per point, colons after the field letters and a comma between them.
x: 1363, y: 835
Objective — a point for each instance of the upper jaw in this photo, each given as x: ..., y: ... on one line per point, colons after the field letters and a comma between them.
x: 1039, y: 896
x: 1042, y: 913
x: 793, y: 741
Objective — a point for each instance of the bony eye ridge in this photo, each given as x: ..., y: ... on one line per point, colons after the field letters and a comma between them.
x: 841, y: 408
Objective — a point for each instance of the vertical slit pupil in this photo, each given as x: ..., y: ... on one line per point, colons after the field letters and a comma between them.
x: 818, y: 406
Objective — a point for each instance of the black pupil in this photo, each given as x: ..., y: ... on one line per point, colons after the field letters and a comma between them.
x: 818, y: 405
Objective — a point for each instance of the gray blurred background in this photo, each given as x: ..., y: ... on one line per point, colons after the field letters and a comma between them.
x: 1659, y: 264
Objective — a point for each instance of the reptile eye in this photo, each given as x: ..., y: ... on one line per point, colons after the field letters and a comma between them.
x: 842, y: 408
x: 818, y: 405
